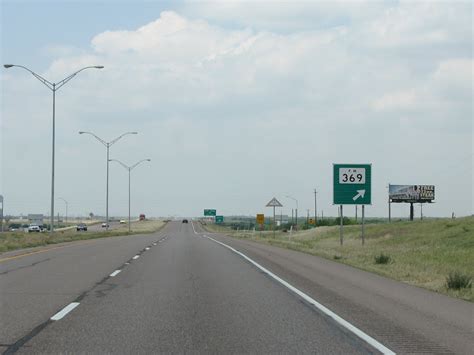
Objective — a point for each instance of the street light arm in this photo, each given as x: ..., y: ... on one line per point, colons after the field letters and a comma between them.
x: 116, y: 139
x: 60, y: 198
x: 294, y: 199
x: 138, y: 163
x: 96, y: 137
x: 61, y: 83
x: 48, y: 84
x: 118, y: 161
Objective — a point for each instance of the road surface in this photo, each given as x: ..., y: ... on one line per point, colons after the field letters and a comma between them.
x: 180, y: 290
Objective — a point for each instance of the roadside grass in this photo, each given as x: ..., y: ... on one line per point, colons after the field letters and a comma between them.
x: 422, y: 253
x: 20, y: 240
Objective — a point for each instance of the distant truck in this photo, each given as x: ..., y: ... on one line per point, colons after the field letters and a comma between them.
x: 36, y: 219
x: 142, y: 217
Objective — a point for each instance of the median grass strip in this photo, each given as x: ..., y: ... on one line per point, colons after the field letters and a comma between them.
x: 435, y: 254
x: 19, y: 240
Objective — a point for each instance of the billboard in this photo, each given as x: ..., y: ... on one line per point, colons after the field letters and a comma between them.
x: 411, y: 193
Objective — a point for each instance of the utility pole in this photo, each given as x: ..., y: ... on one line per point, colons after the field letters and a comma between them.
x: 307, y: 217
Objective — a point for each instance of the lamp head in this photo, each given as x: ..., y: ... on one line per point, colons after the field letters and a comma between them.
x: 99, y: 66
x: 8, y: 65
x: 81, y: 132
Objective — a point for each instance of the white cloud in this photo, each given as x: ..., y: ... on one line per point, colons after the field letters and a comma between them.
x: 396, y: 101
x: 250, y: 110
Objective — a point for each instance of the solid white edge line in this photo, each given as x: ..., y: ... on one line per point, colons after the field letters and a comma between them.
x: 65, y: 311
x: 367, y: 338
x: 115, y: 273
x: 136, y: 257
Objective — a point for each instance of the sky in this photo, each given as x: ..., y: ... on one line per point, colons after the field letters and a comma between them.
x: 236, y: 102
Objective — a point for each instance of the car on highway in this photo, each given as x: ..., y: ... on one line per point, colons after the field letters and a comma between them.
x: 34, y: 228
x: 105, y: 225
x: 122, y: 221
x: 81, y: 227
x: 185, y: 221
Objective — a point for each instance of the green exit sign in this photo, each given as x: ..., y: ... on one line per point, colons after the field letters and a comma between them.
x: 352, y: 184
x: 210, y: 212
x: 219, y: 219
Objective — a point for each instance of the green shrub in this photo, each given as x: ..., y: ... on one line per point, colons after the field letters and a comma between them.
x: 382, y: 259
x: 457, y: 280
x: 337, y: 257
x: 345, y: 221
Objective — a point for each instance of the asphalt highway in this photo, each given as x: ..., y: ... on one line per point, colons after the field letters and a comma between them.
x: 181, y: 290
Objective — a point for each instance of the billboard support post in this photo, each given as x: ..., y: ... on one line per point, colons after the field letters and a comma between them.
x: 389, y: 206
x: 363, y: 221
x: 389, y: 211
x: 412, y: 211
x: 340, y: 228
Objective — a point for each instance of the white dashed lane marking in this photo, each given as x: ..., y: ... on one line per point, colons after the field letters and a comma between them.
x: 65, y: 311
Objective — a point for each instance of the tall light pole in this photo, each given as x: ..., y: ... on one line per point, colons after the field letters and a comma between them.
x: 107, y: 145
x: 53, y: 87
x: 296, y: 211
x: 60, y: 198
x: 129, y: 168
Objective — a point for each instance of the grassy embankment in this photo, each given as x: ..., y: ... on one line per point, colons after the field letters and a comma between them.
x: 422, y: 253
x: 19, y: 240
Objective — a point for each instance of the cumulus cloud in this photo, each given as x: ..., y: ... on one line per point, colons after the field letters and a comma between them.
x: 266, y: 108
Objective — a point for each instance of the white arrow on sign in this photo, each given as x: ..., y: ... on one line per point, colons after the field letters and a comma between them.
x: 360, y: 193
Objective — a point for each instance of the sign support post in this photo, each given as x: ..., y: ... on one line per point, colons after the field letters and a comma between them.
x: 341, y: 223
x: 274, y: 222
x: 274, y: 203
x: 363, y: 232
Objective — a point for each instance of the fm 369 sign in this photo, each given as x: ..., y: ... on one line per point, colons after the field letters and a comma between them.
x: 352, y: 184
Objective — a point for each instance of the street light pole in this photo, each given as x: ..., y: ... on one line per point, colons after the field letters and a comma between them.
x: 53, y: 87
x: 107, y: 145
x: 60, y: 198
x: 129, y: 168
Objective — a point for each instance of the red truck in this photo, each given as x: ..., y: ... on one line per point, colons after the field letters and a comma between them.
x: 142, y: 217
